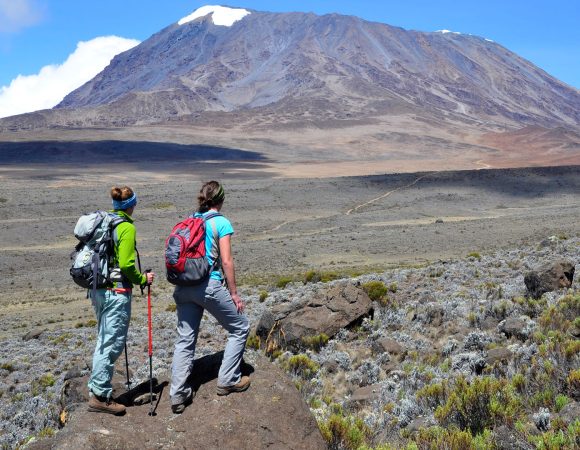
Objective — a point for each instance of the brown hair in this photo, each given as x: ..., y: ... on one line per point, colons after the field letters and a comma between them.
x: 210, y: 194
x: 121, y: 193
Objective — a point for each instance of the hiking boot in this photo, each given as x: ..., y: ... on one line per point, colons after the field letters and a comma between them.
x: 105, y: 405
x: 180, y: 407
x: 241, y: 386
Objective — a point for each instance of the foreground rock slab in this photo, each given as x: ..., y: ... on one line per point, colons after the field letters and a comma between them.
x: 297, y: 325
x: 271, y: 414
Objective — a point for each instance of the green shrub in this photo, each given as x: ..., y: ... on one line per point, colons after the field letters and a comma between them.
x: 560, y: 401
x: 558, y: 439
x: 433, y: 394
x: 263, y: 295
x: 301, y: 365
x: 573, y: 380
x: 475, y: 255
x: 172, y: 307
x: 7, y: 366
x: 315, y: 342
x: 46, y: 380
x: 64, y: 337
x: 377, y: 291
x: 46, y: 432
x: 283, y: 282
x: 312, y: 276
x: 344, y: 432
x: 440, y: 438
x: 478, y: 405
x: 325, y: 277
x: 253, y: 341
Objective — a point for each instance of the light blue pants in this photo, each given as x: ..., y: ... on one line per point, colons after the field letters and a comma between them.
x: 113, y: 311
x: 191, y: 301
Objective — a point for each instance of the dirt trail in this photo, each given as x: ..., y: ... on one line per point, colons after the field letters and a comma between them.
x: 356, y: 208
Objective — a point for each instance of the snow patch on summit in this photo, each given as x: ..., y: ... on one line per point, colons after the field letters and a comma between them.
x: 447, y: 31
x: 220, y: 15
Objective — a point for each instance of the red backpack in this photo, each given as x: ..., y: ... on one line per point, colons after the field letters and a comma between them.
x: 185, y: 257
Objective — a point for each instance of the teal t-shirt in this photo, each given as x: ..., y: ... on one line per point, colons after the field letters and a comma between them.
x: 223, y: 228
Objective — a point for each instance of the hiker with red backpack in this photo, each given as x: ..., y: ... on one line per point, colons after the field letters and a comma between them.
x: 112, y: 302
x: 199, y: 262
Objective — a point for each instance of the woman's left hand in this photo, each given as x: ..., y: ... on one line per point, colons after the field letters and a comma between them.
x: 240, y: 305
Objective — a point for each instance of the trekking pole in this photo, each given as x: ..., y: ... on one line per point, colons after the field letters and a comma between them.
x: 150, y: 332
x: 127, y: 366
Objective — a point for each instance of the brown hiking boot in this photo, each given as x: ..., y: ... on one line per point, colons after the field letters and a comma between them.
x: 105, y: 405
x: 240, y: 386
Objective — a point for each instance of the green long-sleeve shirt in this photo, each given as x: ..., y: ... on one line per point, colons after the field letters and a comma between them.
x: 125, y: 253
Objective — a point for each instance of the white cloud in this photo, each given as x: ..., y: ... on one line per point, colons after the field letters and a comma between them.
x: 27, y: 93
x: 220, y: 15
x: 18, y: 14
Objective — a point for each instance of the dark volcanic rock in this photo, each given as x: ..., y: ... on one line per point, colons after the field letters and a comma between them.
x: 327, y: 312
x: 33, y: 334
x: 271, y: 414
x: 499, y: 354
x: 549, y: 277
x: 570, y: 412
x: 365, y: 394
x: 507, y: 439
x: 389, y: 346
x: 519, y: 327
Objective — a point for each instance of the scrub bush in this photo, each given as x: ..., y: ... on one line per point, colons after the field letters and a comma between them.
x: 479, y: 404
x: 344, y: 432
x: 315, y: 342
x: 263, y: 295
x: 301, y: 365
x: 377, y: 291
x: 283, y: 282
x: 253, y: 342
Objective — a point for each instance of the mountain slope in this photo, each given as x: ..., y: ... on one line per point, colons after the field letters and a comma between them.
x: 301, y: 87
x: 338, y: 62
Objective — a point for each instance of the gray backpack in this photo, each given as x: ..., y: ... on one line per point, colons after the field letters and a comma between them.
x: 93, y: 255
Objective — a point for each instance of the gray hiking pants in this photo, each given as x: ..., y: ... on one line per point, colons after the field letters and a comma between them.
x: 191, y: 301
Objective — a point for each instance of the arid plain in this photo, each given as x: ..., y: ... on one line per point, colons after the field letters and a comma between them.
x: 284, y: 226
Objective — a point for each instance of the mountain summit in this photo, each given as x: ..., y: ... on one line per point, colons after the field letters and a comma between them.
x: 261, y: 72
x: 225, y: 59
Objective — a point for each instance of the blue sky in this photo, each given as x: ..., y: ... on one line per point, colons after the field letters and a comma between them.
x: 37, y: 33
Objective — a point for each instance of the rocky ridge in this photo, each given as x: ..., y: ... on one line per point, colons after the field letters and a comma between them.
x: 452, y: 330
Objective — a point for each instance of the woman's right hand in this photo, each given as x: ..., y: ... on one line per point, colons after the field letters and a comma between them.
x: 150, y: 277
x: 238, y: 302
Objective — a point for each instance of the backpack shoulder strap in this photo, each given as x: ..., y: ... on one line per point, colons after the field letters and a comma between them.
x: 115, y: 222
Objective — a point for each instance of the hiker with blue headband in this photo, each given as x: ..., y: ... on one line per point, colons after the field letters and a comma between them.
x: 113, y: 304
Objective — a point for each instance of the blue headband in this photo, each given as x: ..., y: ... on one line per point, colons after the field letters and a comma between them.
x: 125, y: 204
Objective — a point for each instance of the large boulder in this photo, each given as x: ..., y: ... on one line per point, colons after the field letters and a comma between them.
x: 549, y: 277
x: 296, y: 325
x: 270, y: 414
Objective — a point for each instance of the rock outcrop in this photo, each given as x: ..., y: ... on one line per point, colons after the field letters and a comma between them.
x: 298, y: 325
x: 271, y: 414
x: 549, y: 277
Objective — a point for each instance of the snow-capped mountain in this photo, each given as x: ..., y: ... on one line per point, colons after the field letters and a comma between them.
x: 223, y: 66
